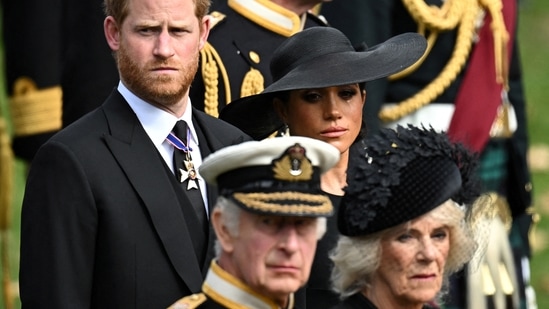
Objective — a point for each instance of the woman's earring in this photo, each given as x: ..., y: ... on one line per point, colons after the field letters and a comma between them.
x: 283, y: 131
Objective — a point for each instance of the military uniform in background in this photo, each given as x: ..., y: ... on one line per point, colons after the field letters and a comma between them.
x: 89, y: 71
x: 235, y: 61
x: 58, y: 66
x: 504, y: 167
x: 31, y: 32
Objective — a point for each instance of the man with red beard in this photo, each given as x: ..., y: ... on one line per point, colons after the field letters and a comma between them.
x: 105, y: 222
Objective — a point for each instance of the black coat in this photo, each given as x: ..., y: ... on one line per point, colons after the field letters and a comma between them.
x: 103, y: 225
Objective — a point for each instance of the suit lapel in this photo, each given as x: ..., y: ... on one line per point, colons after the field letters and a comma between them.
x: 143, y: 166
x: 208, y: 144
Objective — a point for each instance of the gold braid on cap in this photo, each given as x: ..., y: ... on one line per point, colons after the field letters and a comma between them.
x: 463, y: 14
x: 268, y: 202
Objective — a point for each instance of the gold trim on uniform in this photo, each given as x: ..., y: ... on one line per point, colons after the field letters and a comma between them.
x: 253, y: 83
x: 230, y: 292
x: 212, y: 65
x: 215, y: 18
x: 33, y: 110
x: 189, y: 302
x: 264, y: 13
x: 462, y: 15
x: 254, y: 57
x: 269, y: 15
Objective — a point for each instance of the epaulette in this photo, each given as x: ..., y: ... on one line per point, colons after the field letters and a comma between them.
x: 34, y: 110
x: 189, y: 302
x: 215, y: 18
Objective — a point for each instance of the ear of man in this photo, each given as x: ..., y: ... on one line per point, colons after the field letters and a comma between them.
x: 223, y: 233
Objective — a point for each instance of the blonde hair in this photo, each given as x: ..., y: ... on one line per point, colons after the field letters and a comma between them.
x: 357, y: 258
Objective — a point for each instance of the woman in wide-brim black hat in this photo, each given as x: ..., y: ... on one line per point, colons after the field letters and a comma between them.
x: 319, y: 92
x: 320, y: 57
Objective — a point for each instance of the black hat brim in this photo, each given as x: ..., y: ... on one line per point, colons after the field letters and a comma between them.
x: 255, y: 114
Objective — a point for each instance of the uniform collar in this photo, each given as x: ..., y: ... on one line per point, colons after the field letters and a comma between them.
x: 270, y: 15
x: 230, y: 292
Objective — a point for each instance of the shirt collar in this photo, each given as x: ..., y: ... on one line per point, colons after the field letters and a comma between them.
x: 157, y: 122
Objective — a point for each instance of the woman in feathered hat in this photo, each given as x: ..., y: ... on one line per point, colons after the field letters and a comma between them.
x: 410, y: 217
x: 319, y: 92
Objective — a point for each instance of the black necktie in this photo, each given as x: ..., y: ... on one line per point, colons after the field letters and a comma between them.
x: 186, y: 174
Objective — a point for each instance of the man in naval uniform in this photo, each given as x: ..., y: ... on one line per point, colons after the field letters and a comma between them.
x: 235, y: 62
x: 268, y: 218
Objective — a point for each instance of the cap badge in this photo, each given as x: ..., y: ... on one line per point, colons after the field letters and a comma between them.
x: 293, y: 165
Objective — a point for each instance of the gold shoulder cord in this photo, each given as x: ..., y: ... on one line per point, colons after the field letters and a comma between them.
x: 463, y: 14
x: 253, y: 83
x: 211, y: 67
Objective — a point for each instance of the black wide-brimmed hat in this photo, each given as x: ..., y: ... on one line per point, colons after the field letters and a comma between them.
x: 320, y: 57
x: 402, y: 174
x: 276, y: 176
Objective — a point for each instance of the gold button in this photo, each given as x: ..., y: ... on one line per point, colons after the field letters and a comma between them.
x: 254, y: 57
x: 528, y: 187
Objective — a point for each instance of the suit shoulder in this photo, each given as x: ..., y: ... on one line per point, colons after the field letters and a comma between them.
x: 189, y: 302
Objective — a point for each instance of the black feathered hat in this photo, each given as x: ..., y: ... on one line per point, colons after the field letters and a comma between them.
x: 403, y: 174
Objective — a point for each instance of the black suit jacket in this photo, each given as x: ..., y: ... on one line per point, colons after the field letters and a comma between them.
x: 102, y: 225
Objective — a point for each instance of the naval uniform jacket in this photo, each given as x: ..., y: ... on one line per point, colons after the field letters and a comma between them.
x: 235, y: 61
x: 103, y: 225
x: 223, y: 290
x: 519, y: 186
